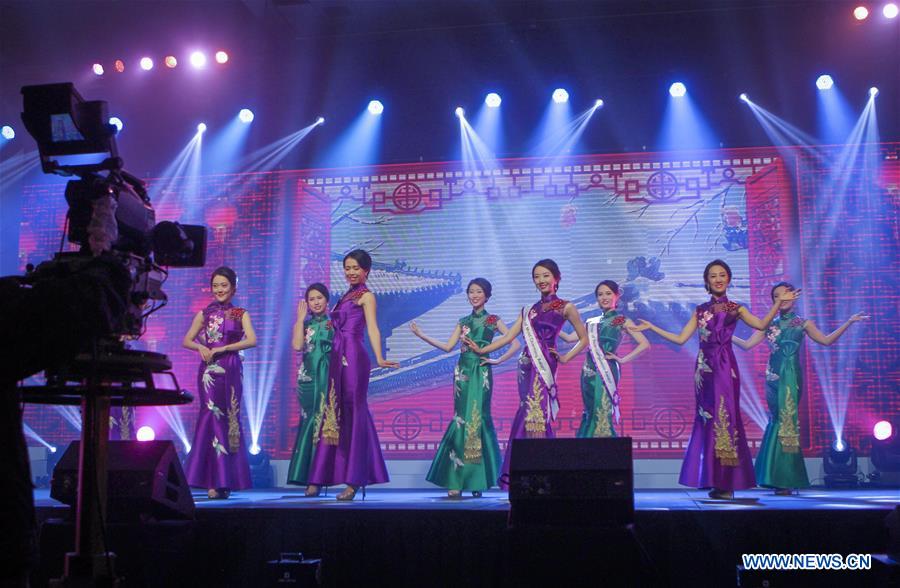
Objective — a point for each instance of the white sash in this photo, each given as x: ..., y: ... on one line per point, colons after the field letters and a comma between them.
x: 609, y: 381
x: 540, y: 362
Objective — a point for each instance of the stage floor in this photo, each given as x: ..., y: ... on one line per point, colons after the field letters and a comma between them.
x: 394, y: 537
x: 644, y: 500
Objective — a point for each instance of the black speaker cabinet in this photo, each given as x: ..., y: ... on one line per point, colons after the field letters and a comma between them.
x: 571, y: 482
x: 145, y: 479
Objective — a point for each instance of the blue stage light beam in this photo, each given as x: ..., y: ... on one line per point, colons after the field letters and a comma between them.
x: 32, y: 434
x: 846, y: 185
x: 222, y: 154
x: 835, y: 117
x: 172, y: 416
x: 677, y: 90
x: 684, y: 126
x: 561, y: 140
x: 489, y: 126
x: 360, y: 144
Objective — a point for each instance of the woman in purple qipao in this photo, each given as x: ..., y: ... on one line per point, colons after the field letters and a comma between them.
x: 539, y: 325
x: 717, y: 456
x: 218, y: 457
x: 348, y: 450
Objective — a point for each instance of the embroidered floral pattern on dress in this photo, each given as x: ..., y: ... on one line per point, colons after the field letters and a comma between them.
x: 726, y: 444
x: 234, y: 314
x: 213, y: 334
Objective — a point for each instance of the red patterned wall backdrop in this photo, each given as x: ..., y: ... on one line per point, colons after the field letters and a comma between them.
x: 649, y: 221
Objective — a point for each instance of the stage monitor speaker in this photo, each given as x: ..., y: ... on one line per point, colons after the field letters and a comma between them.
x: 145, y: 479
x: 571, y: 482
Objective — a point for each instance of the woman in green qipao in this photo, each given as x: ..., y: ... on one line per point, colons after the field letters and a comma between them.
x: 599, y: 384
x: 779, y: 464
x: 312, y: 337
x: 469, y: 457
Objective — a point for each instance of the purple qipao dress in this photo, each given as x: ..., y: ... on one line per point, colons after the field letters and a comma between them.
x: 218, y: 457
x: 717, y: 455
x: 537, y: 401
x: 348, y: 449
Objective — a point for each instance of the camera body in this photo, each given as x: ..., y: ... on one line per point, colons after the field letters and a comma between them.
x: 110, y: 214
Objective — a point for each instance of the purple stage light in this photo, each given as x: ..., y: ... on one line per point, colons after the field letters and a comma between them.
x: 146, y: 63
x: 8, y: 133
x: 119, y: 65
x: 117, y: 122
x: 860, y: 13
x: 890, y: 10
x: 98, y: 69
x: 246, y: 115
x: 171, y: 62
x: 146, y: 433
x: 198, y: 59
x: 882, y: 430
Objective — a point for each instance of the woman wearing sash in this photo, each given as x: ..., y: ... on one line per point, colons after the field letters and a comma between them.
x: 312, y: 338
x: 218, y: 457
x: 717, y: 456
x: 601, y: 371
x: 348, y: 451
x: 468, y: 457
x: 539, y: 325
x: 779, y: 464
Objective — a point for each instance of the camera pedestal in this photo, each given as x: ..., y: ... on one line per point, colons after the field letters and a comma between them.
x: 96, y: 382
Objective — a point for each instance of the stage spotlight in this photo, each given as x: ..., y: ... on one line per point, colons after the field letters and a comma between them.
x: 492, y: 100
x: 882, y: 430
x: 885, y: 455
x: 221, y: 57
x: 598, y: 103
x: 117, y: 122
x: 873, y: 91
x: 119, y: 65
x: 146, y: 433
x: 560, y: 96
x: 320, y: 120
x: 890, y: 10
x: 677, y: 90
x: 744, y: 98
x: 171, y: 61
x: 8, y: 133
x: 246, y: 115
x: 198, y: 59
x: 52, y: 449
x: 376, y: 107
x: 260, y: 468
x: 860, y: 13
x: 840, y: 464
x: 146, y: 63
x: 98, y: 69
x: 824, y: 82
x: 201, y: 128
x: 459, y: 112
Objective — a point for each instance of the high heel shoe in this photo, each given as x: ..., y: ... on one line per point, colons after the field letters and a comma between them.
x: 312, y: 491
x: 783, y: 492
x: 454, y: 493
x: 349, y: 493
x: 476, y: 493
x: 717, y: 494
